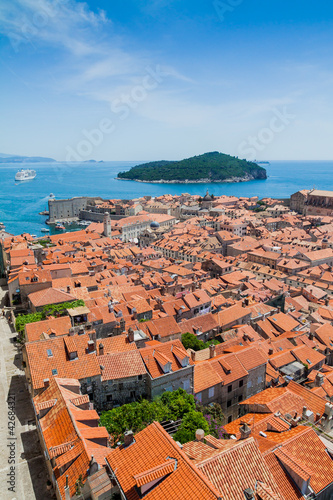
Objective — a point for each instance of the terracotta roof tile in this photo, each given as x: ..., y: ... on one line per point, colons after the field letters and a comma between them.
x: 164, y: 352
x: 237, y: 469
x: 186, y: 482
x: 122, y: 365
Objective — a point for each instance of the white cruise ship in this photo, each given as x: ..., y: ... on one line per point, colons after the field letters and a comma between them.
x: 25, y: 175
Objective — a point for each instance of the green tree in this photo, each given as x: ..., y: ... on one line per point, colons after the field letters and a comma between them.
x: 190, y: 341
x: 133, y: 416
x: 178, y: 402
x: 192, y: 421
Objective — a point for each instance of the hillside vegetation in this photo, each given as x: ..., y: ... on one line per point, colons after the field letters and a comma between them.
x: 209, y: 167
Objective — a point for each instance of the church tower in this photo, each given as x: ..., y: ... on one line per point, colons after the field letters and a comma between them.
x: 107, y: 225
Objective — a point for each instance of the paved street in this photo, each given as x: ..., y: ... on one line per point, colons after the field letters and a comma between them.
x: 19, y: 445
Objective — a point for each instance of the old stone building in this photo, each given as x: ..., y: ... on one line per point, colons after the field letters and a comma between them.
x: 169, y: 368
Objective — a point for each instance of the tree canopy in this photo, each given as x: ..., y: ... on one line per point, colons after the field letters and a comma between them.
x: 174, y: 406
x: 191, y: 341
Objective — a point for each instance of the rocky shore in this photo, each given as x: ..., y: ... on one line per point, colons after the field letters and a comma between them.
x: 245, y: 178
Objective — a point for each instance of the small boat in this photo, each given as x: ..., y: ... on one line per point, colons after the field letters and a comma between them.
x: 51, y: 196
x: 34, y: 236
x: 45, y: 230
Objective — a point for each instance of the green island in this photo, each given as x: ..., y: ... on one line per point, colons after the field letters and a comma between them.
x: 209, y: 167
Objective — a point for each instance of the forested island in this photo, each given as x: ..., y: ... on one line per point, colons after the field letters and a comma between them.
x: 209, y: 167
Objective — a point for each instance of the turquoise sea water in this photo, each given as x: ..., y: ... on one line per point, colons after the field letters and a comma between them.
x: 21, y: 202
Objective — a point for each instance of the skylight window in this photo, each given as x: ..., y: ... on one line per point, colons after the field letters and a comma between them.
x: 308, y: 361
x: 54, y: 371
x: 49, y: 352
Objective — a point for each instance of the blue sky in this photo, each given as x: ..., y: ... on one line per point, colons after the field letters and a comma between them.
x: 166, y: 79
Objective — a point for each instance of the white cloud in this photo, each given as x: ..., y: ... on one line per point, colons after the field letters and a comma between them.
x: 63, y: 23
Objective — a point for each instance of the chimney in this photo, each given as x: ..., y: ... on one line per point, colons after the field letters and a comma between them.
x: 249, y: 494
x: 128, y: 438
x: 304, y: 412
x: 101, y: 349
x: 131, y: 335
x: 46, y: 382
x: 319, y: 379
x: 91, y: 346
x: 310, y: 336
x: 68, y: 289
x: 92, y: 337
x: 270, y: 351
x: 199, y: 434
x: 211, y: 351
x: 245, y: 431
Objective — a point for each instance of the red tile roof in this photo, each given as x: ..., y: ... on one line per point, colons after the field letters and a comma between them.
x: 133, y: 463
x: 164, y: 352
x: 237, y: 469
x: 121, y: 365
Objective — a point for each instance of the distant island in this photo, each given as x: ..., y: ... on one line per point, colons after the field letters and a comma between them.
x: 24, y: 159
x: 209, y: 167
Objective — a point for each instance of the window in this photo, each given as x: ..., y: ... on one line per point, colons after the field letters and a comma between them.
x: 186, y: 385
x: 121, y: 386
x: 199, y: 396
x: 89, y: 380
x: 240, y: 398
x: 49, y: 352
x: 109, y: 397
x: 229, y: 419
x: 249, y: 384
x: 54, y: 371
x: 259, y: 379
x: 241, y: 383
x: 230, y: 388
x: 211, y: 392
x: 139, y: 377
x: 229, y: 403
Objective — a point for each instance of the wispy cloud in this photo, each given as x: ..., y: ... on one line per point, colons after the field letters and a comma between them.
x: 63, y: 23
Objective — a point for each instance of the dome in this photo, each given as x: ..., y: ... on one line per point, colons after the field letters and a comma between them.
x: 207, y: 197
x: 154, y: 225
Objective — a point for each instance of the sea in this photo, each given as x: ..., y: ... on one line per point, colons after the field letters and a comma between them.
x: 21, y: 202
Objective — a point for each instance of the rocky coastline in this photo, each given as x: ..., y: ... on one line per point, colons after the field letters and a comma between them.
x: 245, y: 178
